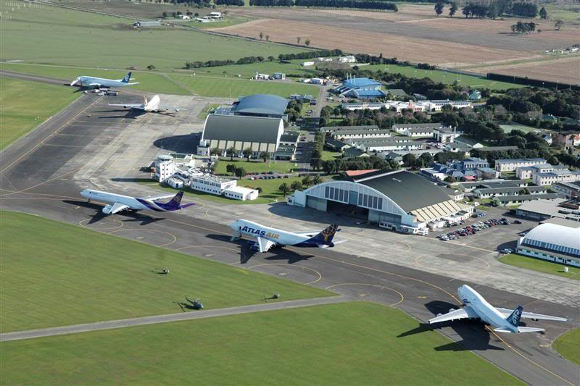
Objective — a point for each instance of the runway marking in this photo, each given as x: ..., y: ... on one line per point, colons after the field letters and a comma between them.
x: 526, y: 358
x: 41, y: 142
x: 469, y: 246
x: 205, y: 246
x: 317, y: 273
x: 171, y: 235
x: 402, y: 298
x: 84, y: 224
x: 42, y: 183
x: 71, y: 146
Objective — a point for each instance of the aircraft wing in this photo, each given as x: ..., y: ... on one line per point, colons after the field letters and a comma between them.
x: 450, y: 316
x: 94, y: 85
x: 163, y: 197
x: 128, y: 105
x: 169, y: 108
x: 531, y: 315
x: 264, y: 245
x: 115, y: 208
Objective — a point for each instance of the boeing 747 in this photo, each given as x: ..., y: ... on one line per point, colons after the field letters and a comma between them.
x: 500, y: 319
x: 153, y: 105
x: 118, y: 202
x: 93, y: 82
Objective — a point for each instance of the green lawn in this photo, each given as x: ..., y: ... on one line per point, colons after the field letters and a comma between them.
x: 330, y: 155
x: 255, y: 166
x: 568, y: 345
x: 57, y: 274
x: 52, y: 35
x: 517, y: 126
x: 25, y: 105
x: 442, y: 76
x: 249, y: 70
x: 340, y: 344
x: 540, y: 265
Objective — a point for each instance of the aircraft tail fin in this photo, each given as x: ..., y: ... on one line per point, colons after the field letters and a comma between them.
x: 127, y: 77
x: 515, y: 316
x: 174, y: 203
x: 325, y: 237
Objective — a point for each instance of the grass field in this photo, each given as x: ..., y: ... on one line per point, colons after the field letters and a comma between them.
x: 330, y: 155
x: 540, y: 265
x: 67, y: 275
x: 254, y: 166
x: 25, y: 105
x: 516, y: 126
x: 568, y: 345
x: 340, y: 344
x: 51, y: 35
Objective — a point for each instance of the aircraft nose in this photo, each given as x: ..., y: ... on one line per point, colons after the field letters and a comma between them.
x: 234, y: 225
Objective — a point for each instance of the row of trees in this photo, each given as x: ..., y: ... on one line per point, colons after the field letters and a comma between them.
x: 239, y: 3
x: 524, y: 27
x: 316, y: 156
x: 227, y: 62
x: 305, y: 183
x: 359, y: 163
x: 440, y: 5
x: 310, y: 54
x: 499, y: 8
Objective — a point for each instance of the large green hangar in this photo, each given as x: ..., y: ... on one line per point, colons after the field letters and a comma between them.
x: 399, y: 200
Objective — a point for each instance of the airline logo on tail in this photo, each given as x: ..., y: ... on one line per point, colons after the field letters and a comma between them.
x: 127, y: 78
x: 329, y: 233
x: 515, y: 316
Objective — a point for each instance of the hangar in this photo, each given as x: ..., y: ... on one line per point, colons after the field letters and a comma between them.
x: 399, y: 200
x: 552, y: 242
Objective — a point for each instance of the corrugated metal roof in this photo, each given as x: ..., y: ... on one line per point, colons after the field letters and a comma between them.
x: 243, y: 128
x: 360, y: 82
x: 261, y: 104
x: 410, y: 191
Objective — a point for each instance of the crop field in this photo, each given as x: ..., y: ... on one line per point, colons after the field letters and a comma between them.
x: 50, y: 35
x: 540, y: 265
x: 25, y: 105
x: 67, y: 275
x: 568, y: 345
x: 340, y: 344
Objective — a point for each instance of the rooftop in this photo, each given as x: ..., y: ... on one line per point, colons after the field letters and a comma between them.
x: 555, y: 234
x: 242, y: 128
x: 261, y: 104
x: 360, y: 82
x: 519, y: 160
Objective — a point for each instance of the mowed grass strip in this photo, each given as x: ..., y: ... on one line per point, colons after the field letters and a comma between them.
x: 339, y: 344
x: 26, y: 105
x: 540, y: 265
x: 56, y: 274
x: 255, y: 166
x: 568, y: 345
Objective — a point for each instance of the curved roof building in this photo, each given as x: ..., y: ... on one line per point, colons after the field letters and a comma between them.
x: 398, y: 200
x: 553, y: 242
x: 263, y: 105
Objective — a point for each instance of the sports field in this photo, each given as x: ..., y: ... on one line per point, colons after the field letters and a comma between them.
x: 50, y: 35
x: 67, y: 275
x: 568, y: 345
x: 26, y: 105
x: 540, y: 265
x: 339, y: 344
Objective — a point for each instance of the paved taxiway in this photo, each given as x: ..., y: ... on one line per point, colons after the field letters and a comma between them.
x: 36, y: 177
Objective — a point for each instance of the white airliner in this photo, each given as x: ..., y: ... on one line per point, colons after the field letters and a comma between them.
x: 501, y: 319
x: 153, y: 105
x: 119, y: 202
x: 93, y: 82
x: 267, y: 237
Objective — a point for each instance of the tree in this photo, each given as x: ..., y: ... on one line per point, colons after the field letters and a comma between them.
x: 214, y: 151
x: 231, y: 151
x: 307, y: 181
x: 265, y: 156
x: 316, y: 163
x: 558, y: 24
x: 298, y: 40
x: 271, y: 58
x: 316, y: 180
x: 261, y: 35
x: 151, y: 67
x: 439, y: 8
x: 231, y: 168
x: 450, y: 179
x: 307, y: 42
x: 267, y: 38
x: 284, y: 188
x: 240, y: 172
x: 247, y: 153
x: 426, y: 159
x: 410, y: 160
x: 164, y: 15
x: 452, y: 9
x: 296, y: 185
x: 543, y: 13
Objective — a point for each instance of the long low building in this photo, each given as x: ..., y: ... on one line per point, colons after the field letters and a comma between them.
x: 552, y: 242
x: 400, y: 200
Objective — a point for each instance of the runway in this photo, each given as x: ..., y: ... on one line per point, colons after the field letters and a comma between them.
x: 36, y: 176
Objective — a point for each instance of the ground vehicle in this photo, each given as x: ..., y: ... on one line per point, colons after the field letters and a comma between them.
x: 517, y: 222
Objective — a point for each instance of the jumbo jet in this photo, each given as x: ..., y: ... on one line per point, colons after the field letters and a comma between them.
x: 500, y: 319
x: 267, y: 237
x: 92, y: 82
x: 153, y: 105
x: 118, y: 202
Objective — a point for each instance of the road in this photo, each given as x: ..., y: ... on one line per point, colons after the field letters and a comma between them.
x: 42, y: 174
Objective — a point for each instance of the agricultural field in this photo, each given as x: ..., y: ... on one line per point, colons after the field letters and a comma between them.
x: 67, y: 275
x: 568, y: 345
x: 540, y: 265
x: 25, y: 105
x: 35, y: 33
x: 340, y: 344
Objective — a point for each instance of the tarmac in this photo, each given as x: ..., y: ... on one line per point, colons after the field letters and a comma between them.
x: 91, y: 145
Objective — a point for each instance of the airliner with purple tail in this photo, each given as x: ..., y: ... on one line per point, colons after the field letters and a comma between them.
x: 118, y: 202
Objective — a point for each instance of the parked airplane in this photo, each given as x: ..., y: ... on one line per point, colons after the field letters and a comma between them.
x: 119, y: 202
x: 92, y: 82
x: 153, y: 105
x: 501, y: 319
x: 267, y: 237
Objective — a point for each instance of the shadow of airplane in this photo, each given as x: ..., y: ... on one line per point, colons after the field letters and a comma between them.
x: 475, y: 337
x: 124, y: 216
x: 179, y: 143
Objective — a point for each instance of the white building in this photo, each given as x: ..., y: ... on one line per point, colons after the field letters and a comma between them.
x: 347, y: 59
x: 203, y: 149
x: 558, y: 175
x: 165, y: 167
x: 509, y: 165
x: 212, y: 184
x: 241, y: 193
x: 215, y: 15
x: 552, y: 242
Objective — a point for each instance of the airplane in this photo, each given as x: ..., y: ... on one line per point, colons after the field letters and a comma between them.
x: 153, y: 105
x: 118, y: 202
x: 267, y: 237
x: 92, y: 82
x: 501, y: 319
